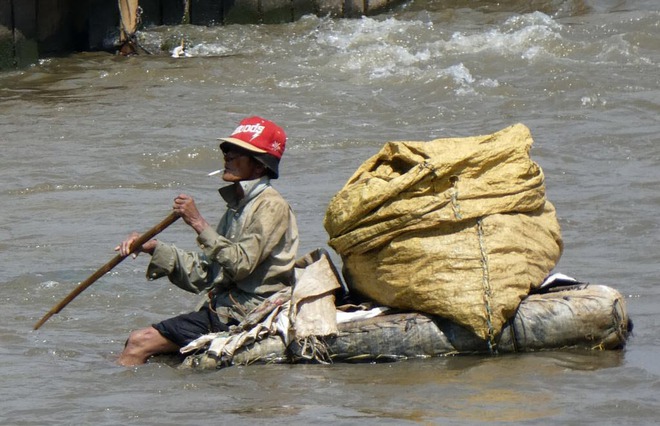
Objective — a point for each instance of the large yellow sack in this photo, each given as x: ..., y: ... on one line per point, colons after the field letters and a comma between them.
x: 454, y: 227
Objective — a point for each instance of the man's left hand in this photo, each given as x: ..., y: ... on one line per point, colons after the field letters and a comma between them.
x: 185, y: 207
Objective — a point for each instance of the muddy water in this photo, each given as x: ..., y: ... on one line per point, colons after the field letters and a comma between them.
x: 95, y: 146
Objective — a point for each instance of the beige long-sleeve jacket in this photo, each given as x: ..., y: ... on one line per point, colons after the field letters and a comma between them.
x: 249, y: 256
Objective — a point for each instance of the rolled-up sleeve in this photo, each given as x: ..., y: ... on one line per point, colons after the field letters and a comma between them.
x: 187, y: 270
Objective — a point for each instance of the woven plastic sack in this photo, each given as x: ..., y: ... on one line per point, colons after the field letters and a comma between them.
x: 457, y: 227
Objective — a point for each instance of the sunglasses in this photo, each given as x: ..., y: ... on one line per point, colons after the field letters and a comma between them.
x: 233, y: 155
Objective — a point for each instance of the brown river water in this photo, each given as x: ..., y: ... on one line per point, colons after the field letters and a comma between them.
x: 95, y: 146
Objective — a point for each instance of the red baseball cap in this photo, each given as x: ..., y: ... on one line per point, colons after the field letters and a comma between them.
x: 258, y: 135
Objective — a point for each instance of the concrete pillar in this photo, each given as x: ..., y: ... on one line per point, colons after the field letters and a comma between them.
x: 241, y: 11
x: 49, y: 22
x: 354, y: 8
x: 275, y: 11
x: 334, y: 8
x: 25, y: 32
x: 7, y: 54
x: 152, y: 13
x: 103, y: 24
x: 61, y: 25
x: 172, y: 11
x: 374, y: 7
x: 206, y: 12
x: 301, y: 8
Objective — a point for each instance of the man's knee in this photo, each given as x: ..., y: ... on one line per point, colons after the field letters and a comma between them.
x: 142, y: 344
x: 142, y: 337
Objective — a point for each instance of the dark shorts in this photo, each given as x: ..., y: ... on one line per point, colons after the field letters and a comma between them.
x: 185, y: 328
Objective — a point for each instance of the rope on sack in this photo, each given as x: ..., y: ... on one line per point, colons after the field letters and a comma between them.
x: 456, y: 208
x: 454, y: 197
x: 621, y: 325
x: 492, y: 345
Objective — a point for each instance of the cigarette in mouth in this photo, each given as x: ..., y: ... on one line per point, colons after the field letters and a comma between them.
x: 216, y: 172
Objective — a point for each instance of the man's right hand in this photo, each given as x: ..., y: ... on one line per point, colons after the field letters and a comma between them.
x: 124, y: 248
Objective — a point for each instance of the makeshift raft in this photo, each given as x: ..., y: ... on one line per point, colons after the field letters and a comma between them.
x: 580, y: 316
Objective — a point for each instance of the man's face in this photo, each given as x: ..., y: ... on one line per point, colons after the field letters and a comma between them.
x: 240, y: 166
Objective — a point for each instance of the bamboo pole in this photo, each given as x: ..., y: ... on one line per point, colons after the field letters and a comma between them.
x: 108, y: 267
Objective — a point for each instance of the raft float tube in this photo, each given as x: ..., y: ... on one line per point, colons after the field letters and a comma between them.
x: 564, y: 314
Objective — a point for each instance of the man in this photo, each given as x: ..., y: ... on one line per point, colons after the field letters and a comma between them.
x: 247, y: 258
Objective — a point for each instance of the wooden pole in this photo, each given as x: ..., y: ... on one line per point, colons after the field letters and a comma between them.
x: 108, y: 267
x: 128, y: 13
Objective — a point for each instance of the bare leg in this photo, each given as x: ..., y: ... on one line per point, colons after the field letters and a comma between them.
x: 142, y: 344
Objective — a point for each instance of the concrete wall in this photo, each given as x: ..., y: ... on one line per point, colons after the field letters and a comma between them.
x: 18, y: 33
x: 30, y: 29
x: 6, y: 35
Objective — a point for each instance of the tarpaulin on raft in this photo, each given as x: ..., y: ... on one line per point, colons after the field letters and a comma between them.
x: 455, y: 227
